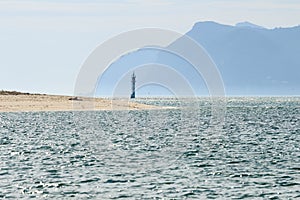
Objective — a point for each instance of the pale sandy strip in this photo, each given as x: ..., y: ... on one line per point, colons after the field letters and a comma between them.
x: 23, y: 103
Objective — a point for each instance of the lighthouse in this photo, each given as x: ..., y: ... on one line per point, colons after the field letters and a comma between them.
x: 133, y: 80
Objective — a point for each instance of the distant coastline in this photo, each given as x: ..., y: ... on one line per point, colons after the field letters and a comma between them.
x: 13, y: 101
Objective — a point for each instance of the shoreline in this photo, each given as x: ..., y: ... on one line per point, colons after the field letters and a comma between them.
x: 26, y: 102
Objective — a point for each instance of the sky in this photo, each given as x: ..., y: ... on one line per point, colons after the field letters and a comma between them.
x: 43, y: 44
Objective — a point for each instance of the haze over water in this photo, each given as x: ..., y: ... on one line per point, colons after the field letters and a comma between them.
x: 154, y: 154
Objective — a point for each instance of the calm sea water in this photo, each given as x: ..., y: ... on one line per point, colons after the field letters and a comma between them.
x: 157, y: 154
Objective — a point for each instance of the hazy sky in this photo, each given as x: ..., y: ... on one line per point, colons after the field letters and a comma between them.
x: 44, y: 43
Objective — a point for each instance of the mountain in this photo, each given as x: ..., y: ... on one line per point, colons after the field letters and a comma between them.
x: 252, y: 60
x: 248, y: 24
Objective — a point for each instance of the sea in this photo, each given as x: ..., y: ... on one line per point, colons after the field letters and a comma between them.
x: 245, y: 148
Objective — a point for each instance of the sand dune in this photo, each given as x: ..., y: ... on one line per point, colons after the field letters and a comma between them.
x: 21, y: 102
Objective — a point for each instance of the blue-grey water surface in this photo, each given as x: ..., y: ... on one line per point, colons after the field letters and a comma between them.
x: 154, y: 154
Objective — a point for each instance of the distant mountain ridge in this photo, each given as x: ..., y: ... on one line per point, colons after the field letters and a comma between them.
x: 252, y: 60
x: 249, y: 25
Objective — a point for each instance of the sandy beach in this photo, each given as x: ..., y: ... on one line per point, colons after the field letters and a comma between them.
x: 25, y: 102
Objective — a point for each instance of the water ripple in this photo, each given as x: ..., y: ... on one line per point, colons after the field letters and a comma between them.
x: 159, y: 154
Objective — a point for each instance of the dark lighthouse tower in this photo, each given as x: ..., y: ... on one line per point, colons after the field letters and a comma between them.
x: 133, y: 80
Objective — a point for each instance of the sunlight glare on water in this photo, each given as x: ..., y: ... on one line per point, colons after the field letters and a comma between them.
x: 149, y: 154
